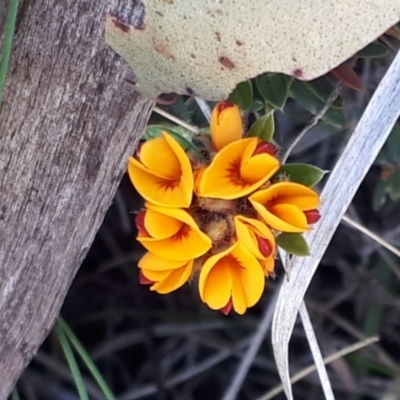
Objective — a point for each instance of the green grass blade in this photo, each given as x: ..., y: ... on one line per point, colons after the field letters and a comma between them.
x: 86, y: 358
x: 15, y: 395
x: 8, y: 39
x: 73, y: 366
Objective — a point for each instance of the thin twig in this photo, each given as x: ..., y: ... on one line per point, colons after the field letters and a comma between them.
x: 247, y: 361
x: 307, y: 371
x: 332, y: 97
x: 372, y: 235
x: 204, y: 108
x: 176, y: 120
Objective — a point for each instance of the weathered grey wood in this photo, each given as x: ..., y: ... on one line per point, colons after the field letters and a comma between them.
x: 67, y: 126
x: 364, y: 145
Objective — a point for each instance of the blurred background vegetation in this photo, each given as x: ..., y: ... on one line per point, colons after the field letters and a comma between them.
x: 149, y: 346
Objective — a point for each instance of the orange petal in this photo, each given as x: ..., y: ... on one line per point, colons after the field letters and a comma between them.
x: 246, y: 230
x: 155, y: 276
x: 175, y: 279
x: 151, y: 262
x: 225, y: 125
x: 161, y: 226
x: 290, y: 193
x: 234, y: 273
x: 215, y: 285
x: 252, y: 279
x: 159, y: 157
x: 188, y: 243
x: 257, y: 168
x: 222, y: 178
x: 165, y: 177
x: 294, y: 219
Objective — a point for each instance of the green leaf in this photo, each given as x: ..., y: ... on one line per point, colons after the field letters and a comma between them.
x: 305, y: 97
x: 274, y: 88
x: 392, y: 146
x: 264, y: 127
x: 322, y: 88
x: 181, y: 135
x: 374, y: 50
x: 393, y: 185
x: 242, y: 95
x: 256, y: 105
x: 306, y: 174
x: 293, y: 243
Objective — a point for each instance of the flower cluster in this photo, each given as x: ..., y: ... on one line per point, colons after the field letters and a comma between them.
x: 216, y: 220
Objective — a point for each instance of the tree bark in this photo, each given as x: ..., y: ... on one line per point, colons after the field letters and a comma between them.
x: 67, y: 125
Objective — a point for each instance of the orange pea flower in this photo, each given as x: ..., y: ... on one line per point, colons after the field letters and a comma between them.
x: 171, y: 233
x: 237, y: 170
x: 162, y: 174
x: 232, y: 277
x: 283, y: 205
x: 165, y: 275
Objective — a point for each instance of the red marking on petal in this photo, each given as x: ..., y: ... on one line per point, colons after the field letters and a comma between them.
x: 227, y: 309
x: 223, y: 105
x: 265, y: 147
x: 143, y: 280
x: 312, y: 216
x: 264, y: 246
x: 138, y: 148
x: 139, y: 221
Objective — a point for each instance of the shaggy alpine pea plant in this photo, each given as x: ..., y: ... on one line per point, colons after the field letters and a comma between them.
x: 217, y: 215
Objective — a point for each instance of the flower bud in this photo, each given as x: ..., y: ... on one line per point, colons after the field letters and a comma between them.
x: 226, y: 124
x: 265, y: 147
x: 312, y: 216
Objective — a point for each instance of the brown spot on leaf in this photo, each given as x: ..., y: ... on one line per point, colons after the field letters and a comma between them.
x: 226, y: 62
x: 298, y: 73
x: 192, y: 55
x: 218, y: 35
x: 159, y: 13
x: 239, y: 43
x: 189, y: 91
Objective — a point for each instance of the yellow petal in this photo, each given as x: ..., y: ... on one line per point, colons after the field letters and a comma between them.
x: 295, y: 220
x: 222, y: 178
x: 215, y: 285
x: 268, y: 265
x: 155, y: 276
x: 188, y: 243
x: 251, y: 277
x: 151, y: 262
x: 246, y: 230
x: 175, y: 279
x: 289, y: 193
x: 164, y: 174
x: 161, y: 226
x: 234, y: 273
x: 160, y: 158
x: 225, y: 125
